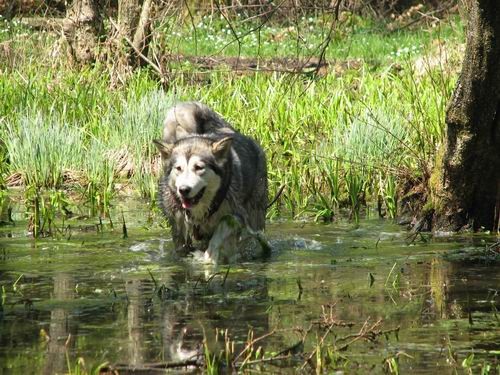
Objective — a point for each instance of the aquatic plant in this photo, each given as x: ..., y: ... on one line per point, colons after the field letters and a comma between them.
x: 44, y: 209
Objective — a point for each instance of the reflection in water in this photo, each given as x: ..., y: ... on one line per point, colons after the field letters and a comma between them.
x: 212, y: 302
x: 438, y: 283
x: 61, y: 332
x: 122, y: 318
x: 135, y: 322
x: 179, y: 337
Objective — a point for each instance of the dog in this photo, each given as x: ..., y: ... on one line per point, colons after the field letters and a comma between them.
x: 214, y: 188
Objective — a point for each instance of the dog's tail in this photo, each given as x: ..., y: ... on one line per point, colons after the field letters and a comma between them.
x: 190, y: 118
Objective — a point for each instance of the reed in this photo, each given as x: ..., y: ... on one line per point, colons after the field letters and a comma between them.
x: 348, y: 139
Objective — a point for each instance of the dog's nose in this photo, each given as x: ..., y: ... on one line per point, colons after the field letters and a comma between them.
x: 184, y: 190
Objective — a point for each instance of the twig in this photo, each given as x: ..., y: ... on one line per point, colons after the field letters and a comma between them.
x: 328, y: 319
x: 266, y: 360
x: 293, y: 349
x: 390, y: 273
x: 288, y: 353
x: 158, y: 366
x: 276, y: 197
x: 225, y: 277
x: 210, y: 278
x: 372, y: 331
x: 155, y: 67
x: 378, y: 125
x: 246, y: 33
x: 230, y: 25
x: 422, y: 16
x: 252, y: 343
x: 328, y: 38
x: 494, y: 248
x: 193, y: 25
x: 320, y: 344
x: 381, y: 167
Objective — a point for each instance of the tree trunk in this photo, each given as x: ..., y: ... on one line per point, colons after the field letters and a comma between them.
x: 128, y: 16
x: 467, y: 184
x: 134, y: 26
x: 82, y: 28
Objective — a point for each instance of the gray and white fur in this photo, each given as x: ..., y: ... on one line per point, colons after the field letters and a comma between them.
x: 189, y: 118
x: 214, y: 183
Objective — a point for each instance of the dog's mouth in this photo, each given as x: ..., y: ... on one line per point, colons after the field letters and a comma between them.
x: 188, y: 203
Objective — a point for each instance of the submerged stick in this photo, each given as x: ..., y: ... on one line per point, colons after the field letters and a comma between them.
x: 124, y: 227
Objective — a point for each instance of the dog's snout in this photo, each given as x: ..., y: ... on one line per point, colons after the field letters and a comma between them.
x: 184, y: 190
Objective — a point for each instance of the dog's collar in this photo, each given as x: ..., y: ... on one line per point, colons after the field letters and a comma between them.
x: 221, y: 193
x: 197, y: 235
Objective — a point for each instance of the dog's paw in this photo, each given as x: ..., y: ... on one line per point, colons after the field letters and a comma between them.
x: 211, y: 256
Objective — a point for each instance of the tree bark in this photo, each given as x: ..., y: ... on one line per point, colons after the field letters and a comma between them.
x: 467, y: 192
x: 134, y: 25
x: 128, y: 16
x: 82, y: 28
x: 8, y: 9
x: 143, y: 29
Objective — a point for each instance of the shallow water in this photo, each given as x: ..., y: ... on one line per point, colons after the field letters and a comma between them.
x: 93, y: 296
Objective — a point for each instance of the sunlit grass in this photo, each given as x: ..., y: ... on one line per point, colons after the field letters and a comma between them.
x: 42, y: 149
x: 347, y: 139
x: 353, y: 37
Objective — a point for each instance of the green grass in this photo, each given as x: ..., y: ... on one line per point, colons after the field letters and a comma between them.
x: 42, y: 149
x: 354, y: 38
x: 343, y: 140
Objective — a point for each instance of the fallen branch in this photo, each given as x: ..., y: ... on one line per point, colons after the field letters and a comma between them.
x: 267, y: 360
x: 156, y: 366
x: 369, y: 334
x: 42, y: 23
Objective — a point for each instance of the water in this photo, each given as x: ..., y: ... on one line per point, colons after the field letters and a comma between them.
x: 131, y: 303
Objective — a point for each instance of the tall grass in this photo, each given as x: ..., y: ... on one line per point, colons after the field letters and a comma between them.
x: 43, y: 149
x: 342, y: 140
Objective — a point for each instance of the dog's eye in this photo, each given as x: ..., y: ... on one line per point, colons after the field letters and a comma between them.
x: 199, y: 168
x: 178, y: 168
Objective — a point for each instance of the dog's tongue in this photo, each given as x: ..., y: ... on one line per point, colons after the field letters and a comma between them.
x: 186, y: 204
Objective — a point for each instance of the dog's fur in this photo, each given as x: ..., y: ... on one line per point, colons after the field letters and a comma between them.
x: 214, y: 184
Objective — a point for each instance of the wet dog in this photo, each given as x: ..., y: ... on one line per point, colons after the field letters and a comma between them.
x: 214, y: 185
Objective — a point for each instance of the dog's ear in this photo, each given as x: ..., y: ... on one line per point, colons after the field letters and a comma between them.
x: 164, y: 148
x: 170, y: 134
x: 221, y: 148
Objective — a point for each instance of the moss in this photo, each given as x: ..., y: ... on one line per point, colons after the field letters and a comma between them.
x: 437, y: 195
x: 266, y: 246
x: 428, y: 207
x: 232, y: 222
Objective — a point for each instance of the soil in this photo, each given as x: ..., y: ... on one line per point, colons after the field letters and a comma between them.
x: 312, y: 66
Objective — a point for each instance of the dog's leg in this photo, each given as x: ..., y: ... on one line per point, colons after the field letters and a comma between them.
x: 182, y: 241
x: 233, y: 240
x: 223, y: 245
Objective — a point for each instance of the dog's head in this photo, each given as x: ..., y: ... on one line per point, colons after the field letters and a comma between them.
x: 195, y: 169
